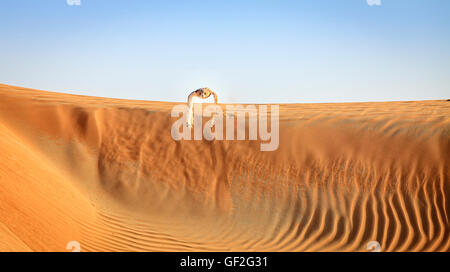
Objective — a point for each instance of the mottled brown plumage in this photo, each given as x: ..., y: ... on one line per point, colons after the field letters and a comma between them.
x: 203, y: 93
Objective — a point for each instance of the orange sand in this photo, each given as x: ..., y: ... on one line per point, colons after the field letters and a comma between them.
x: 107, y: 173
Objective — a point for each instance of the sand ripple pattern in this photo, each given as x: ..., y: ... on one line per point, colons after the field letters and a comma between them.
x: 344, y: 175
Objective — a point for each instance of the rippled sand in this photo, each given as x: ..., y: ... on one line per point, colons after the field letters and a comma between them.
x: 107, y: 173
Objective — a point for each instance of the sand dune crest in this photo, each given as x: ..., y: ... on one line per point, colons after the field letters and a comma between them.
x: 107, y: 173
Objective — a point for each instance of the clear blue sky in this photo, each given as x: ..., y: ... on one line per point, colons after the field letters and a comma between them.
x: 248, y: 51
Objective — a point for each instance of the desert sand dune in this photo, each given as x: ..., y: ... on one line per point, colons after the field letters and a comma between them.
x: 107, y: 173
